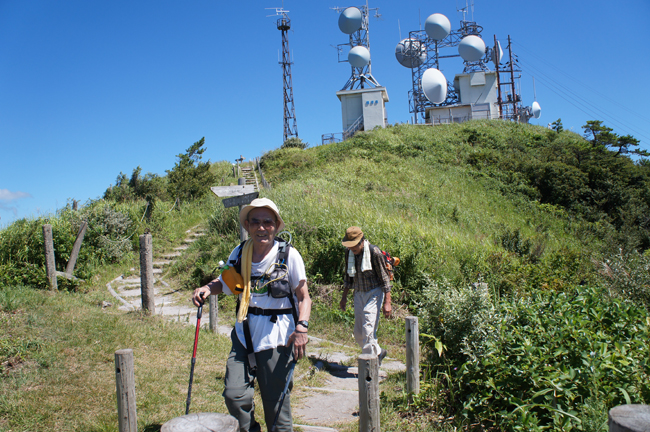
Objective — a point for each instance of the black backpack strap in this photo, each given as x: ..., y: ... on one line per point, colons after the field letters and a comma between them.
x: 283, y: 255
x: 237, y: 262
x: 252, y: 363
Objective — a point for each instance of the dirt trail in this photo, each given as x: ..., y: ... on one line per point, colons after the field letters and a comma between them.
x: 325, y: 408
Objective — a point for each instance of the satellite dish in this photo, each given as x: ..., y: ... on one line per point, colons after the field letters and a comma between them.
x: 471, y: 48
x: 410, y: 53
x: 359, y: 56
x: 434, y: 85
x: 537, y: 110
x: 350, y: 20
x: 497, y: 53
x: 437, y: 26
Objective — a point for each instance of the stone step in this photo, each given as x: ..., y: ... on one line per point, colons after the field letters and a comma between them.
x: 161, y: 263
x: 172, y: 255
x: 181, y: 248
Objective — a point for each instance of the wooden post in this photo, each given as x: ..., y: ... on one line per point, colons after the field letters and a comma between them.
x: 412, y: 355
x: 213, y: 313
x: 125, y: 385
x: 50, y: 263
x: 629, y: 418
x: 75, y: 249
x: 243, y: 235
x: 368, y: 393
x: 146, y: 274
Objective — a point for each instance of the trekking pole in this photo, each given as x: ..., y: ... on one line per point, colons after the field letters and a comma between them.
x: 196, y: 341
x: 286, y: 388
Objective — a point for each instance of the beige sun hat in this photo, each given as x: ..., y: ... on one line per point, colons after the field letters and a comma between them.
x: 261, y: 202
x: 353, y: 236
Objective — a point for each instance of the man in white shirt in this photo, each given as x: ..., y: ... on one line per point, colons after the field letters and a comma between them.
x: 273, y: 316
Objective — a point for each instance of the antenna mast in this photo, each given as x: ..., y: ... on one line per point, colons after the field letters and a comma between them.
x: 290, y: 123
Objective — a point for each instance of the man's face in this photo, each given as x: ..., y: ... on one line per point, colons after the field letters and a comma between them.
x: 357, y: 249
x: 261, y: 225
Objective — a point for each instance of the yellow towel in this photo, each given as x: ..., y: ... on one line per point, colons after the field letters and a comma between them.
x: 246, y: 266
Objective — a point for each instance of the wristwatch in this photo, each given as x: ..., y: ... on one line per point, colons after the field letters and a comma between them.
x: 304, y: 323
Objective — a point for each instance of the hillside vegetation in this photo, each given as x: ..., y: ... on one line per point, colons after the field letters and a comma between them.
x: 524, y: 254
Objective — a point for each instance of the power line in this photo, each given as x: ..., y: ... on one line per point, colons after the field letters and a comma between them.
x: 578, y: 101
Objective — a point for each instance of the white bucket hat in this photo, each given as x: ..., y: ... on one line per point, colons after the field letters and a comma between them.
x: 261, y: 202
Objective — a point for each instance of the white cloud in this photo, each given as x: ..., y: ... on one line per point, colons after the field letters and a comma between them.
x: 7, y: 195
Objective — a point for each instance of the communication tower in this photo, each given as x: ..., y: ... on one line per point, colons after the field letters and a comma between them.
x: 363, y: 100
x: 290, y: 123
x: 477, y: 92
x: 509, y: 98
x: 353, y: 21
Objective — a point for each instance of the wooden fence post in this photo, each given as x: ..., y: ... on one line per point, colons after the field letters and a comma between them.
x: 50, y: 263
x: 412, y: 355
x: 75, y: 249
x: 146, y: 274
x: 368, y: 393
x: 629, y: 418
x: 213, y: 313
x: 243, y: 235
x: 125, y: 387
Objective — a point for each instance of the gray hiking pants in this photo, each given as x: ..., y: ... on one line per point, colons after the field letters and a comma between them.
x: 272, y: 371
x: 367, y: 310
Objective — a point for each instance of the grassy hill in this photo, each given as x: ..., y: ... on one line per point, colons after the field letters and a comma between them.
x: 524, y: 253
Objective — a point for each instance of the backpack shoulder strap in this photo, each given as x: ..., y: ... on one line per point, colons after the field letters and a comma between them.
x: 283, y: 251
x: 236, y: 263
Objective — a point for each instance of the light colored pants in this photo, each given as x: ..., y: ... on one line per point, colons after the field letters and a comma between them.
x: 367, y: 309
x: 272, y: 371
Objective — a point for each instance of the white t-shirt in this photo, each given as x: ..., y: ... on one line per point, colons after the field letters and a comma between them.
x: 264, y: 333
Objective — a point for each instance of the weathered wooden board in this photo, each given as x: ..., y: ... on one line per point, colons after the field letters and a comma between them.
x: 228, y: 191
x: 240, y: 200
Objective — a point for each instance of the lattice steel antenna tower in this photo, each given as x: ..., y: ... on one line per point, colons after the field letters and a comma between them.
x: 290, y: 123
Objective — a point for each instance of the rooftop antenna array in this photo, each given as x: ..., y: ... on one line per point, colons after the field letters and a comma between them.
x: 353, y: 21
x: 290, y: 123
x: 421, y: 52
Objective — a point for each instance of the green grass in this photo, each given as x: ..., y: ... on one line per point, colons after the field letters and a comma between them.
x: 521, y: 208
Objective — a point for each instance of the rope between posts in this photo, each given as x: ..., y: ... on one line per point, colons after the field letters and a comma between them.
x: 174, y: 205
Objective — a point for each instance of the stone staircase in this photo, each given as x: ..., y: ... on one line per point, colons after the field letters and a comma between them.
x: 169, y: 302
x: 251, y: 177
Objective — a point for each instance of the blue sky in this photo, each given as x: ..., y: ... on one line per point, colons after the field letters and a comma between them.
x: 92, y: 88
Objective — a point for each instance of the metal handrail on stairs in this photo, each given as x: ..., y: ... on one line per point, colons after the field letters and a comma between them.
x: 356, y: 126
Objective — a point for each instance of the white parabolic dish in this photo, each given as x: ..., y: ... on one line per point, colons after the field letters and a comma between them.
x: 410, y: 53
x: 497, y: 53
x: 350, y: 20
x: 537, y: 110
x: 434, y: 85
x: 359, y: 56
x: 471, y: 48
x: 437, y: 26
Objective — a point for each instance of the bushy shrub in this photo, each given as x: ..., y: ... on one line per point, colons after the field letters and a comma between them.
x: 22, y: 260
x: 460, y: 318
x: 629, y: 276
x: 550, y: 356
x: 294, y: 142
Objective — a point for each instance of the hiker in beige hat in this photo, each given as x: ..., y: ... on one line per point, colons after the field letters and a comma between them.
x: 366, y: 273
x: 273, y: 315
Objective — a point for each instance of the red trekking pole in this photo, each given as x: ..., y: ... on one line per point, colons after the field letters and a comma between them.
x: 196, y: 341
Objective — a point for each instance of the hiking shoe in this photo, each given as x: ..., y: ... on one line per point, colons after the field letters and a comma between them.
x: 382, y: 354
